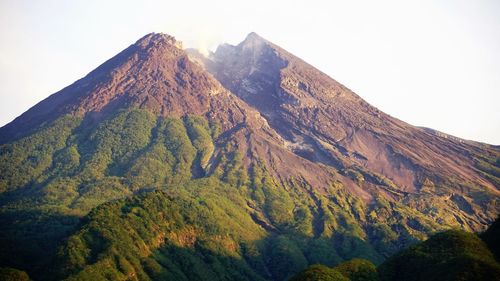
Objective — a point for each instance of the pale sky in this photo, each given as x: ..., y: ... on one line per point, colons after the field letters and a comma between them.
x: 430, y: 63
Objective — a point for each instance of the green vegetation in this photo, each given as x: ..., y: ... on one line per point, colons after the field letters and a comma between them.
x: 450, y: 255
x: 491, y: 238
x: 134, y: 196
x: 203, y: 224
x: 115, y: 143
x: 199, y: 132
x: 164, y: 234
x: 319, y: 273
x: 27, y: 159
x: 12, y: 274
x: 358, y: 270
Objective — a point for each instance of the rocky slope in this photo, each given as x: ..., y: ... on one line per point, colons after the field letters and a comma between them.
x: 323, y: 121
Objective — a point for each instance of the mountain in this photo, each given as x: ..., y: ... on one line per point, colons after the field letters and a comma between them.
x: 248, y: 164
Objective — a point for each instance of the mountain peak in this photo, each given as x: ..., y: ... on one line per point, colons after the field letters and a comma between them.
x: 253, y: 36
x: 153, y: 73
x: 154, y: 39
x: 252, y: 40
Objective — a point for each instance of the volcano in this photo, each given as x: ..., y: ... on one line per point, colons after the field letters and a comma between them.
x: 246, y: 164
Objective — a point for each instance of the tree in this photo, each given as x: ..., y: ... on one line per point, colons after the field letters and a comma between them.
x: 358, y: 270
x: 450, y: 255
x: 319, y: 272
x: 12, y: 274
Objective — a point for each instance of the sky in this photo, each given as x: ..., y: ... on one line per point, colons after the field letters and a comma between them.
x: 431, y: 63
